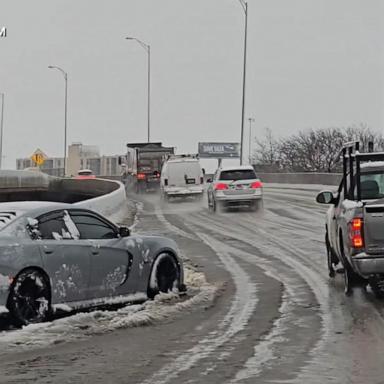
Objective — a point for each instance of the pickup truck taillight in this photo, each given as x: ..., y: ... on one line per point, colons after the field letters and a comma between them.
x: 220, y: 187
x: 356, y: 233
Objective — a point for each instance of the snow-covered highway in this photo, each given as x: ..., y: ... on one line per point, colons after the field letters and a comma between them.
x: 260, y: 309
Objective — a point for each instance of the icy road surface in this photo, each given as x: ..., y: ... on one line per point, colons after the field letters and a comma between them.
x: 261, y: 310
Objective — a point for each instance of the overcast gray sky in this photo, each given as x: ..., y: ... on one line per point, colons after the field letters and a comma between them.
x: 311, y: 63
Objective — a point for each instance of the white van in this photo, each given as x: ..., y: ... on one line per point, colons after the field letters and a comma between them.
x: 182, y: 175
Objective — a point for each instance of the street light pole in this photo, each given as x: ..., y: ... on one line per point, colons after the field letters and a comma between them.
x: 147, y: 48
x: 65, y: 112
x: 251, y: 120
x: 149, y: 93
x: 1, y: 129
x: 244, y: 4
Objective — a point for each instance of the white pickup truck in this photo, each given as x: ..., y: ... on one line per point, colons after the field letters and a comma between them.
x: 355, y: 221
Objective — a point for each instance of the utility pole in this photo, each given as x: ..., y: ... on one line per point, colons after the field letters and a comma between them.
x: 251, y: 120
x: 244, y: 4
x: 65, y: 112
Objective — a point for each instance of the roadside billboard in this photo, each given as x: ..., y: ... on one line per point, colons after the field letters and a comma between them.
x: 219, y: 150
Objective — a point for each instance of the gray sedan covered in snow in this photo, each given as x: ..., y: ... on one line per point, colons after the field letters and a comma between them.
x: 56, y: 256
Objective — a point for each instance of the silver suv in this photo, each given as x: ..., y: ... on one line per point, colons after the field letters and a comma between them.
x: 235, y: 187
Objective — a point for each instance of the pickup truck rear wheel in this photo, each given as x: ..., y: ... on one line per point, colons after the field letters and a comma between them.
x: 377, y: 285
x: 352, y: 279
x: 349, y: 281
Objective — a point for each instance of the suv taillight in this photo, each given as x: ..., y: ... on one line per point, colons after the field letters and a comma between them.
x: 256, y: 184
x: 356, y: 233
x: 201, y: 180
x: 165, y: 182
x: 220, y: 187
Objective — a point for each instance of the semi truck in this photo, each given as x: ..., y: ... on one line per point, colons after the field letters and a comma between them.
x: 142, y: 165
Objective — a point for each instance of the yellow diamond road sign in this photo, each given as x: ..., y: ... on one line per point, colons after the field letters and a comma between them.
x: 38, y: 157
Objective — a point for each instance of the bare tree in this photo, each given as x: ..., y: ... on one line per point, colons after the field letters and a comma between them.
x: 267, y: 149
x: 313, y: 150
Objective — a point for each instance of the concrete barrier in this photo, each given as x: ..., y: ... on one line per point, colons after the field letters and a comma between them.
x: 23, y: 180
x: 110, y: 203
x: 107, y: 197
x: 297, y: 178
x: 301, y: 178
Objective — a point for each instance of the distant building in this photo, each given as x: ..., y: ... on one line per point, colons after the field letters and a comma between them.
x: 79, y: 157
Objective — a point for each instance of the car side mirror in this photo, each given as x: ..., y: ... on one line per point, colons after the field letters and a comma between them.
x: 124, y: 231
x: 325, y: 197
x: 209, y: 180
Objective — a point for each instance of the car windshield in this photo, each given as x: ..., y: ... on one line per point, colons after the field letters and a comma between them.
x: 238, y: 174
x: 372, y: 185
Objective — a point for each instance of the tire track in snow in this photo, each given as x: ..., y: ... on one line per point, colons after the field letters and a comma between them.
x: 243, y: 305
x: 270, y: 350
x: 267, y: 351
x: 313, y: 280
x: 171, y: 227
x: 319, y: 366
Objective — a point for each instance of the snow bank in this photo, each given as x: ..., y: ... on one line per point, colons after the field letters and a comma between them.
x: 83, y: 325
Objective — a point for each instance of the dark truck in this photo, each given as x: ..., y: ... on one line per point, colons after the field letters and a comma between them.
x: 142, y: 165
x: 355, y: 220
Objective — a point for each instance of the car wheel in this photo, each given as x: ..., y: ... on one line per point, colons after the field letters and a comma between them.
x: 256, y: 205
x: 352, y: 279
x: 377, y: 285
x: 165, y: 275
x: 348, y: 280
x: 30, y: 298
x: 214, y: 205
x: 164, y: 197
x: 331, y: 270
x: 210, y: 202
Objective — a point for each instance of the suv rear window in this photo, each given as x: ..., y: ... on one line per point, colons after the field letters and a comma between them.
x: 238, y: 174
